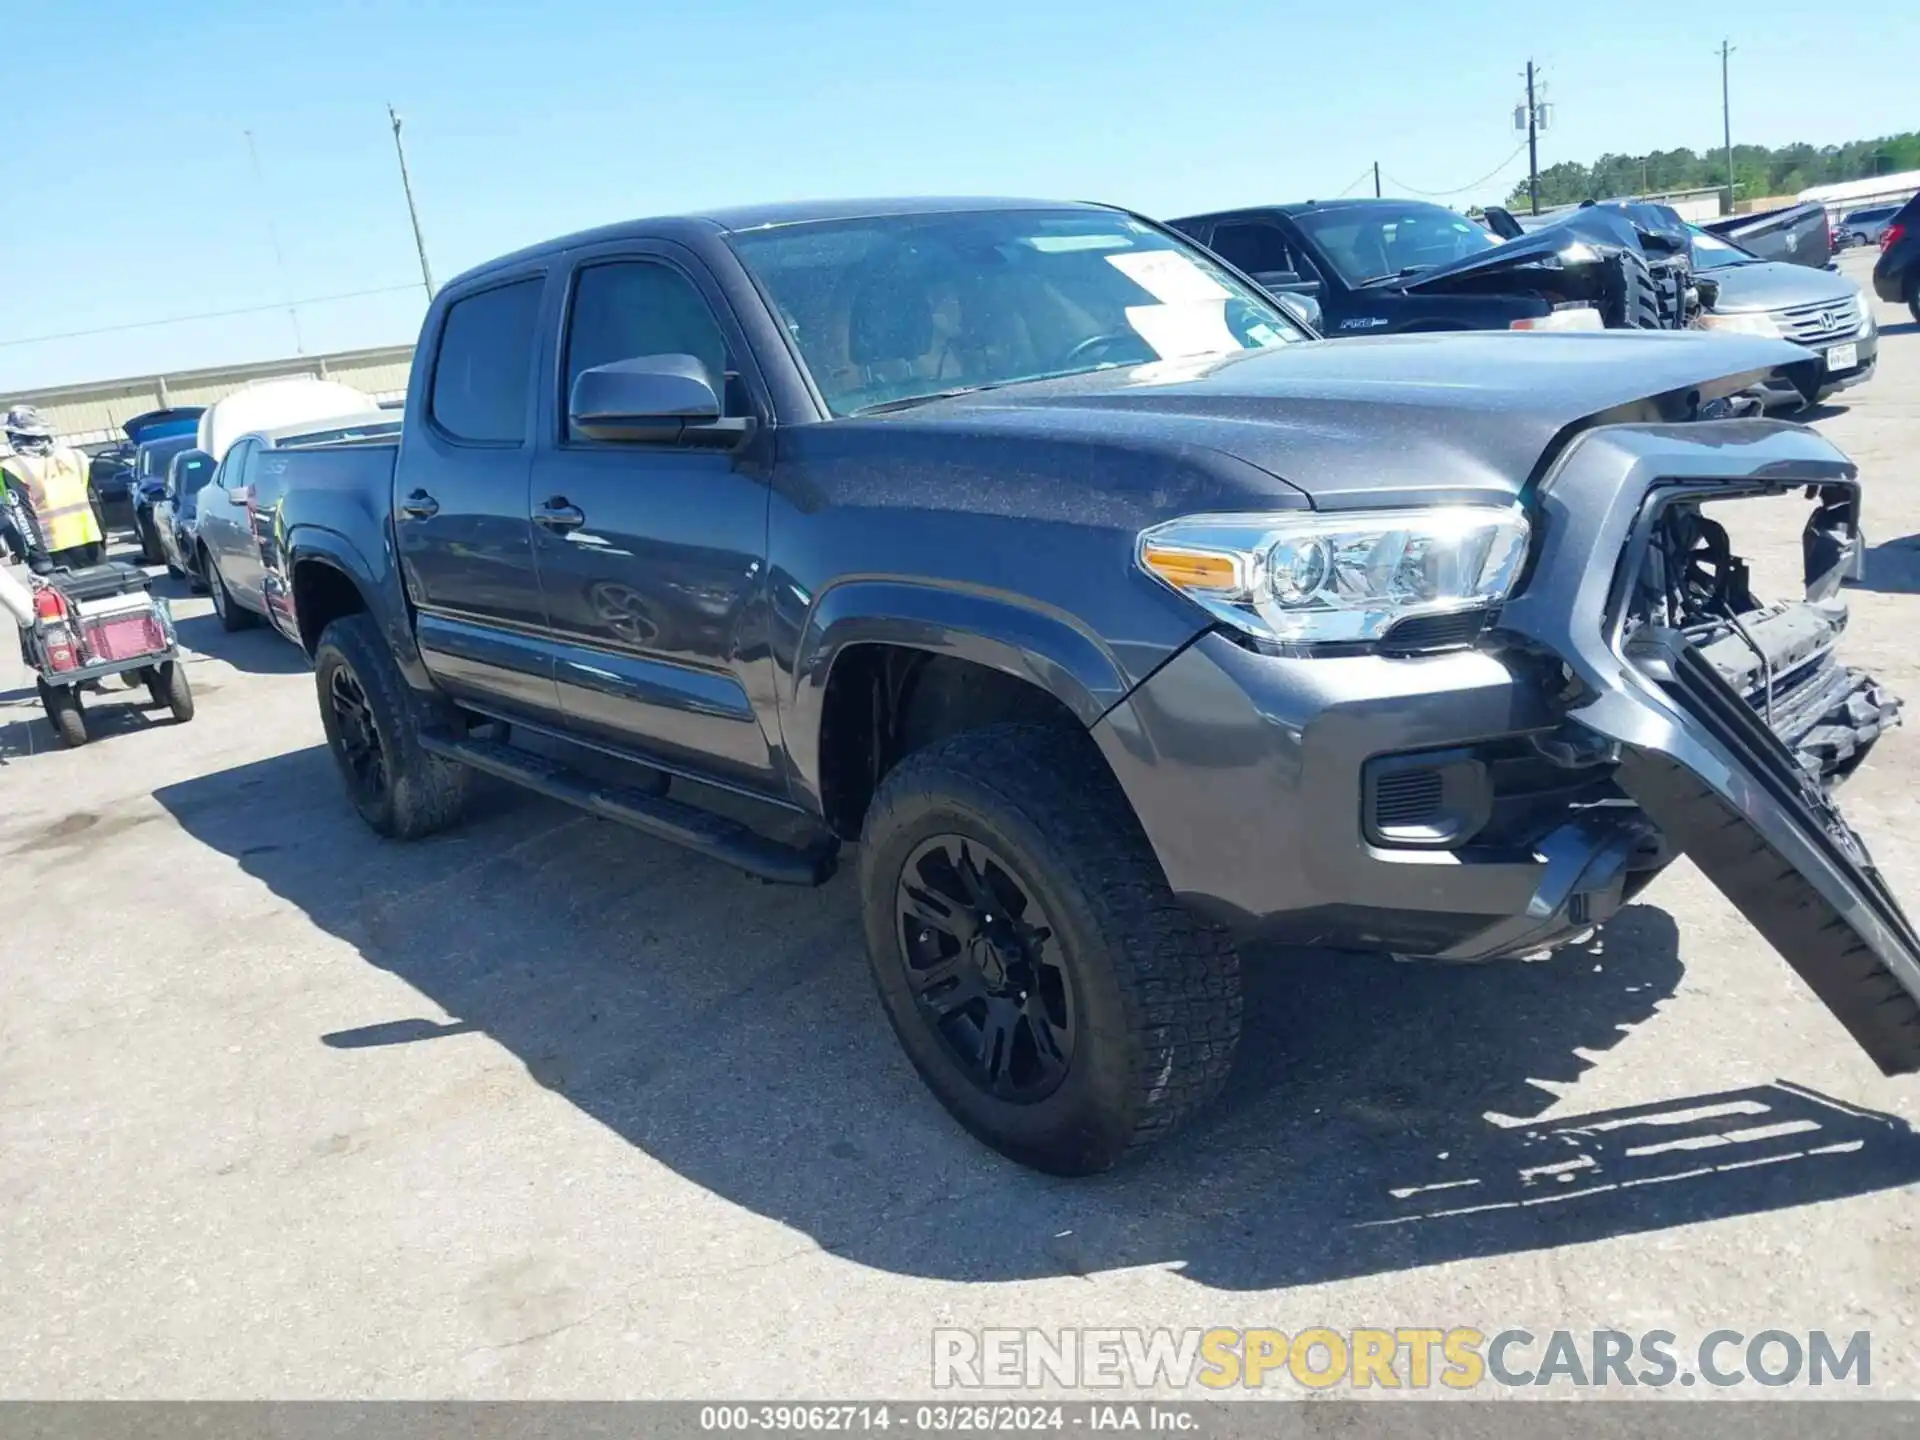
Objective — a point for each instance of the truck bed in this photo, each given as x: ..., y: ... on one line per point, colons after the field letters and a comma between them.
x: 341, y: 487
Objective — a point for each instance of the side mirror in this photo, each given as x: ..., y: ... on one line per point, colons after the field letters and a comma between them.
x: 1303, y: 308
x: 652, y: 399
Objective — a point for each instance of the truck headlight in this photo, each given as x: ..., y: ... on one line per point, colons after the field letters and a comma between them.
x: 1743, y: 322
x: 1312, y: 579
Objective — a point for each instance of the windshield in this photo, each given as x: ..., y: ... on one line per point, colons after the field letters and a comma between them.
x: 154, y: 455
x: 889, y: 310
x: 1710, y: 252
x: 1370, y: 242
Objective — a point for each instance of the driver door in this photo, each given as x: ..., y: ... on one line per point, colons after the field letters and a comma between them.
x: 652, y: 556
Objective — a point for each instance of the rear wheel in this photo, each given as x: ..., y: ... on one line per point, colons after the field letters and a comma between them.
x: 168, y: 685
x: 1054, y: 995
x: 232, y: 615
x: 373, y: 720
x: 1913, y: 298
x: 62, y: 704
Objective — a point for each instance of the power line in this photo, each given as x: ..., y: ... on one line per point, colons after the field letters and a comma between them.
x: 1356, y: 180
x: 1461, y: 189
x: 208, y: 315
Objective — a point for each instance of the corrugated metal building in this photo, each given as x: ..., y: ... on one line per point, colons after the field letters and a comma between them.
x: 91, y: 414
x: 1849, y: 195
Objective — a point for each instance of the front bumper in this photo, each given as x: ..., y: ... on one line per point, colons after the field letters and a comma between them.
x: 1779, y: 389
x: 1247, y: 770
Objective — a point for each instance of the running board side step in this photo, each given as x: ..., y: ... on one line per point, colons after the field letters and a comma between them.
x: 689, y: 826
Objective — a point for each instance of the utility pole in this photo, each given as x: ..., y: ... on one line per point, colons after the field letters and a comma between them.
x: 406, y: 183
x: 1533, y: 145
x: 273, y: 238
x: 1726, y: 120
x: 1376, y: 179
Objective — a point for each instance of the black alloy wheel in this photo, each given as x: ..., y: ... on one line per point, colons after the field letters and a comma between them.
x: 361, y: 753
x: 985, y: 969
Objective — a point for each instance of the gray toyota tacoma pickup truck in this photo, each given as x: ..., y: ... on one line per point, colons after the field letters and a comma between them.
x: 1033, y: 550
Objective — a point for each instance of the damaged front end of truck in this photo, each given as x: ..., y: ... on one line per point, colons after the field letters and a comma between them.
x: 1631, y: 262
x: 1728, y: 719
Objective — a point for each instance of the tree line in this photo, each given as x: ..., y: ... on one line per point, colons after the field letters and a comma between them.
x: 1757, y: 170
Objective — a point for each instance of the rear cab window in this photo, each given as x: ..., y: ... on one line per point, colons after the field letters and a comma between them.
x: 483, y: 370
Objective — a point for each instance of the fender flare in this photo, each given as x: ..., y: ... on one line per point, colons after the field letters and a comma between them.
x: 310, y: 544
x: 1042, y: 646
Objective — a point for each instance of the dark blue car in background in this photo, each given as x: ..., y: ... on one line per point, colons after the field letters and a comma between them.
x: 156, y: 436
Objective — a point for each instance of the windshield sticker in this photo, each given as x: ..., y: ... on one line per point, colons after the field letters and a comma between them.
x: 1169, y: 276
x: 1059, y: 244
x: 1177, y: 331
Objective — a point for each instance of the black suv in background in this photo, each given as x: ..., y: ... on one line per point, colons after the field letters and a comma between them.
x: 1896, y: 275
x: 1384, y: 267
x: 1353, y: 255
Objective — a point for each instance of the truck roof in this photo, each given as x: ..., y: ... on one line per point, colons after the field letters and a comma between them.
x: 1298, y: 207
x: 730, y: 219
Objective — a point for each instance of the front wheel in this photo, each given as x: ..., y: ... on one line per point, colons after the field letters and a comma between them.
x: 372, y: 718
x: 62, y: 704
x: 1053, y: 994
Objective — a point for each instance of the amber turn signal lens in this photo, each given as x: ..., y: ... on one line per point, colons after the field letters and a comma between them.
x: 1194, y: 569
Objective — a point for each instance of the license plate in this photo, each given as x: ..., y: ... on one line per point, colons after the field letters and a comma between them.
x: 1843, y: 357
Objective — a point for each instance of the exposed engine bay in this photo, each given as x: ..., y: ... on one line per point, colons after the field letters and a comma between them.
x: 1781, y: 657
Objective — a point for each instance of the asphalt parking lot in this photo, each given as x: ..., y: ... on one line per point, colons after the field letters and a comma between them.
x: 540, y: 1108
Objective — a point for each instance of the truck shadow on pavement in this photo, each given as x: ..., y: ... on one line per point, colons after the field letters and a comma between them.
x: 1893, y: 567
x: 258, y: 651
x: 1383, y: 1116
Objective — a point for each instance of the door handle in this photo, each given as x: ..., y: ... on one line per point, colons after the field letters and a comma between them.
x: 420, y: 505
x: 559, y: 516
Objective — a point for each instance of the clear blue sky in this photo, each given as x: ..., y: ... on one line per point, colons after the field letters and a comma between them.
x: 130, y: 196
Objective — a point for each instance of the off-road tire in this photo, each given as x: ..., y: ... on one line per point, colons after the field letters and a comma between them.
x: 1670, y: 283
x: 64, y: 712
x: 1632, y: 301
x: 168, y: 685
x: 422, y: 793
x: 232, y: 616
x: 1157, y: 991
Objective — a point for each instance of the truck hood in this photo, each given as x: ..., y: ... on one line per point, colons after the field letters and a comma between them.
x: 1407, y: 419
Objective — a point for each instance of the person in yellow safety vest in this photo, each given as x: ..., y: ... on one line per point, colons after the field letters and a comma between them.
x: 49, y: 496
